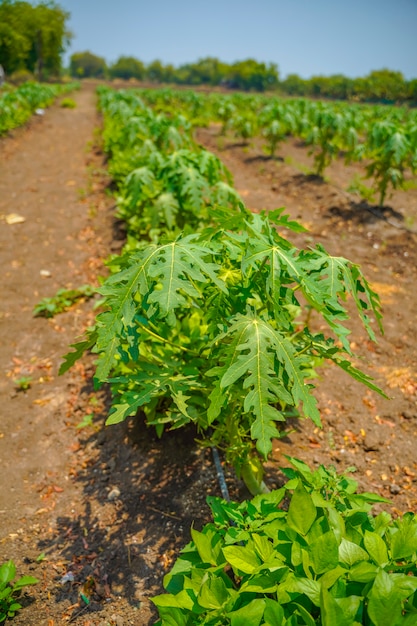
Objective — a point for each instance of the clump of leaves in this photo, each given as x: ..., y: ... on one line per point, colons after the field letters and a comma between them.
x: 10, y: 590
x: 390, y: 155
x: 326, y: 561
x: 62, y: 301
x: 68, y: 103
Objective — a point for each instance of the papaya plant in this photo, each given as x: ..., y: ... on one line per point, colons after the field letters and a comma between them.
x: 207, y: 329
x: 389, y: 151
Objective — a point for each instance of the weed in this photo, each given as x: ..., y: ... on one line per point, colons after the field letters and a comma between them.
x: 9, y: 590
x: 86, y: 421
x: 68, y: 103
x: 62, y: 301
x: 23, y: 383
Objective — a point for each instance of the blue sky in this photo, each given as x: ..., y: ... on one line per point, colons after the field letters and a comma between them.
x: 307, y: 37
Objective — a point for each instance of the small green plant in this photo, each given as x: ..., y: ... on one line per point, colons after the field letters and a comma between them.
x: 62, y: 301
x: 9, y: 591
x: 23, y: 383
x: 356, y: 186
x: 68, y: 103
x: 326, y: 561
x: 86, y: 421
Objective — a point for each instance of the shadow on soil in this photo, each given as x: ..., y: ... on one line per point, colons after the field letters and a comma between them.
x: 365, y: 213
x: 263, y: 158
x: 141, y: 496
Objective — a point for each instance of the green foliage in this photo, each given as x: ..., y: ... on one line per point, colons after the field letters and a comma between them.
x: 62, y: 301
x: 379, y: 85
x: 127, y: 67
x: 32, y: 37
x: 206, y: 327
x: 385, y: 137
x: 68, y: 103
x: 23, y: 383
x: 250, y: 75
x: 18, y: 105
x: 87, y: 65
x: 324, y: 135
x: 325, y: 561
x: 10, y: 591
x: 390, y: 152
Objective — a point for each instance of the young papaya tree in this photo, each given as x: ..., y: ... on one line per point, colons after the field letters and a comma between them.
x: 207, y: 329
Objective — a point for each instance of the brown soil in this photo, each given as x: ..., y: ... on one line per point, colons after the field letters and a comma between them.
x: 113, y: 506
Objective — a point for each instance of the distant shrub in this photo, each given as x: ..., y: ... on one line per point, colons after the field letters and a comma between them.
x: 68, y: 103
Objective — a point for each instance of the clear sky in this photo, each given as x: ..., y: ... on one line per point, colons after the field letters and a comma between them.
x: 306, y: 37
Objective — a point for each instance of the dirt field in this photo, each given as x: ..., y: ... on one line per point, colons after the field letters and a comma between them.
x: 106, y: 510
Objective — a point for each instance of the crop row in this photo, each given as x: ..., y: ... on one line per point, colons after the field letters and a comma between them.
x: 202, y: 324
x: 203, y: 321
x: 17, y: 105
x: 383, y: 138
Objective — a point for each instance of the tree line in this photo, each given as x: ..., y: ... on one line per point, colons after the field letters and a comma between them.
x: 247, y: 75
x: 378, y: 86
x: 34, y: 37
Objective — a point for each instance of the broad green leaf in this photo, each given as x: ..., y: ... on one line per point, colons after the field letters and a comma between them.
x: 7, y: 572
x: 325, y: 553
x: 384, y: 604
x: 333, y: 613
x: 363, y: 572
x: 376, y: 547
x: 330, y: 577
x: 24, y: 581
x: 242, y: 559
x: 301, y: 512
x: 274, y: 613
x: 170, y: 609
x: 206, y: 546
x: 311, y: 588
x: 308, y: 619
x: 259, y: 583
x: 263, y: 547
x: 176, y: 266
x: 350, y: 553
x: 213, y: 594
x: 404, y: 540
x: 251, y: 613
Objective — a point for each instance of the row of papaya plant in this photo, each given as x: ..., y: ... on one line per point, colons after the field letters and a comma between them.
x: 203, y: 324
x: 204, y: 321
x: 384, y: 138
x: 17, y: 105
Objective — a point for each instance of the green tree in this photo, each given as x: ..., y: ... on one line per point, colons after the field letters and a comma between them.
x: 87, y: 65
x: 294, y: 85
x: 127, y: 67
x: 250, y: 75
x: 384, y: 85
x: 32, y: 38
x: 156, y: 72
